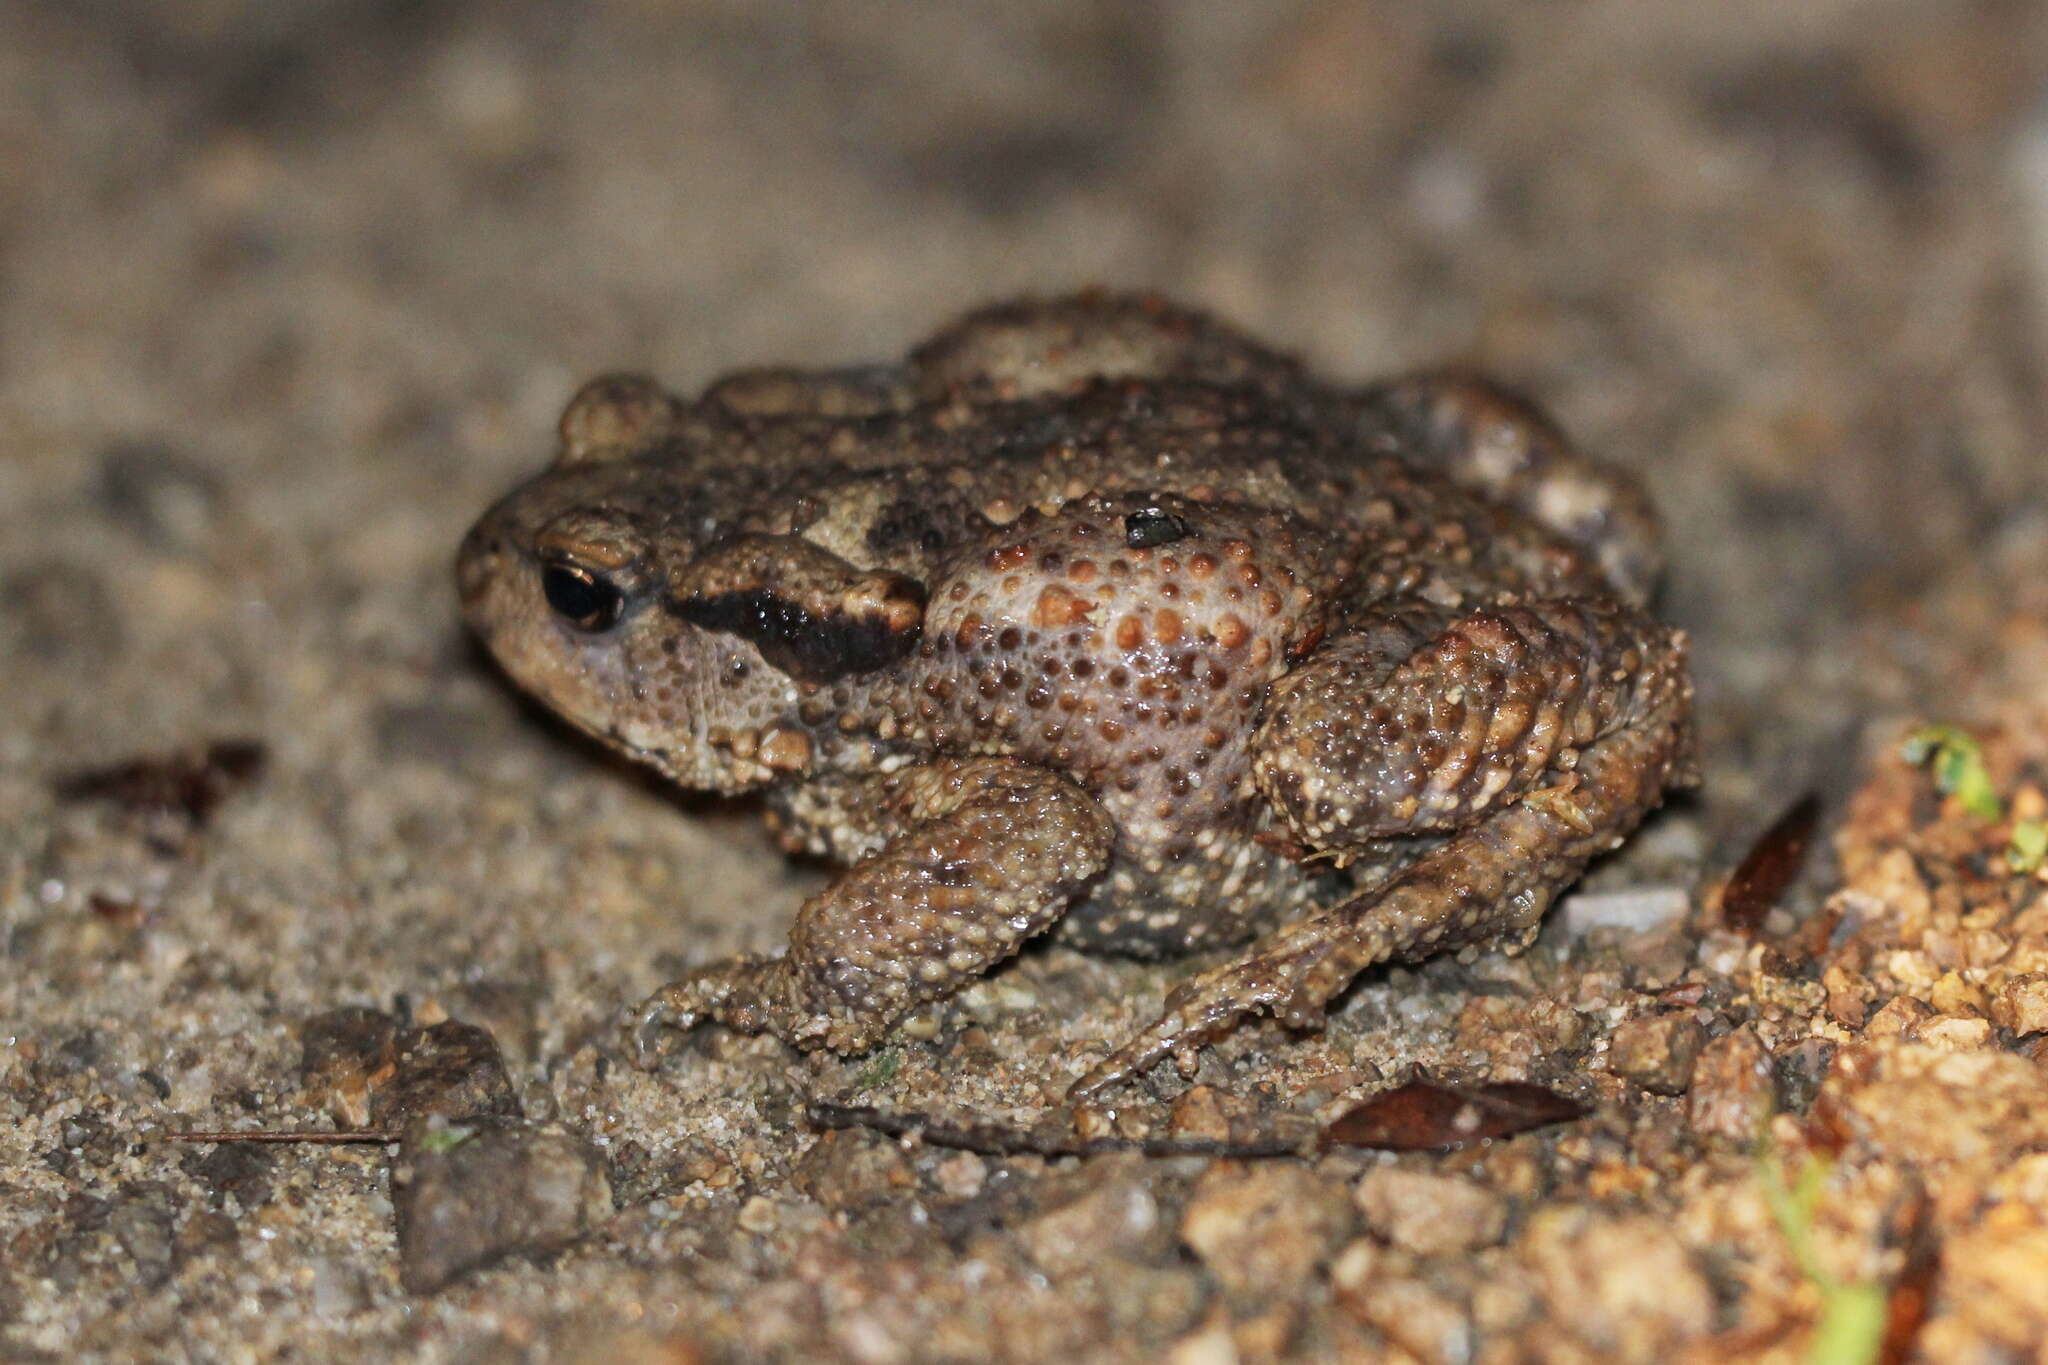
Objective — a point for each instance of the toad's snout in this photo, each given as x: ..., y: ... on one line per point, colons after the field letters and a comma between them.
x: 480, y: 565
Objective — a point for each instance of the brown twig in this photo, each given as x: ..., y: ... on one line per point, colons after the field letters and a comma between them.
x: 314, y: 1136
x: 991, y: 1139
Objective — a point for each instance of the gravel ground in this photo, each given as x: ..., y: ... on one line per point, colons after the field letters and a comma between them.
x: 289, y: 290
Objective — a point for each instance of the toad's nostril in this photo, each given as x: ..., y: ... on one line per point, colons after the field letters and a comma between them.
x: 476, y: 568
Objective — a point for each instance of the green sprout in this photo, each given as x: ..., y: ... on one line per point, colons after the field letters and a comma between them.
x: 1958, y: 763
x: 441, y: 1141
x: 1852, y: 1316
x: 2029, y: 847
x: 881, y: 1070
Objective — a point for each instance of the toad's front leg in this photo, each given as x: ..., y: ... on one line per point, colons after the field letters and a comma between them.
x: 981, y: 854
x: 1531, y: 738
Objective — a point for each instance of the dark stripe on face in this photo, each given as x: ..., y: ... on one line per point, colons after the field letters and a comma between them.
x: 810, y: 646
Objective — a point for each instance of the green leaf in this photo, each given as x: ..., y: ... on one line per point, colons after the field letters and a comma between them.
x: 1792, y: 1207
x: 1958, y: 763
x: 2029, y: 847
x: 1852, y: 1315
x: 1851, y: 1327
x: 880, y: 1071
x: 441, y: 1141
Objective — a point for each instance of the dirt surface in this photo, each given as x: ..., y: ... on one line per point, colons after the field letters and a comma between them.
x: 290, y: 290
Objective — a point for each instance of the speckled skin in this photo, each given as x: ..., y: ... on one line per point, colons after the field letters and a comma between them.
x: 1096, y: 614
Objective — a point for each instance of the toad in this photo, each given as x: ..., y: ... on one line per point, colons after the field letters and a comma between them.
x: 1099, y: 619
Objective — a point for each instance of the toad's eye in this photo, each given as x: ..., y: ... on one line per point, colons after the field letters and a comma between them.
x: 1150, y: 526
x: 586, y: 600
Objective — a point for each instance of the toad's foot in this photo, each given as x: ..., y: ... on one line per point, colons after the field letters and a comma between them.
x: 991, y: 852
x: 748, y: 994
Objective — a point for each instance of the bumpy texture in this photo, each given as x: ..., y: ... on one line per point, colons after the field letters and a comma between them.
x: 1097, y: 614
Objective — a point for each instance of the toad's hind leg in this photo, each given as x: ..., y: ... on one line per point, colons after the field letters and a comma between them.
x: 981, y: 855
x: 1039, y: 346
x: 1538, y: 735
x: 1492, y: 441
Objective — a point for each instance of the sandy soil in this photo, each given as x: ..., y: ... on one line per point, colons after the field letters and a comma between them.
x: 290, y: 289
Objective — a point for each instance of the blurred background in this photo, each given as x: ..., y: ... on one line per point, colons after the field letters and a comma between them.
x: 346, y: 258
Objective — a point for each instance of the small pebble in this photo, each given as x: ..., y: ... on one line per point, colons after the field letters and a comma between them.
x: 465, y: 1196
x: 1657, y: 1052
x: 1430, y: 1214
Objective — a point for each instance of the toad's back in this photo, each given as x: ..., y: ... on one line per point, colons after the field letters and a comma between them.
x: 1117, y: 576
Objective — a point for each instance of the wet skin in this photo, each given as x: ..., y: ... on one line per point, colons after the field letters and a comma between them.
x: 1096, y: 618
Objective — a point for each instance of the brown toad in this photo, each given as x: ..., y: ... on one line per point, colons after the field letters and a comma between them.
x: 1097, y: 617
